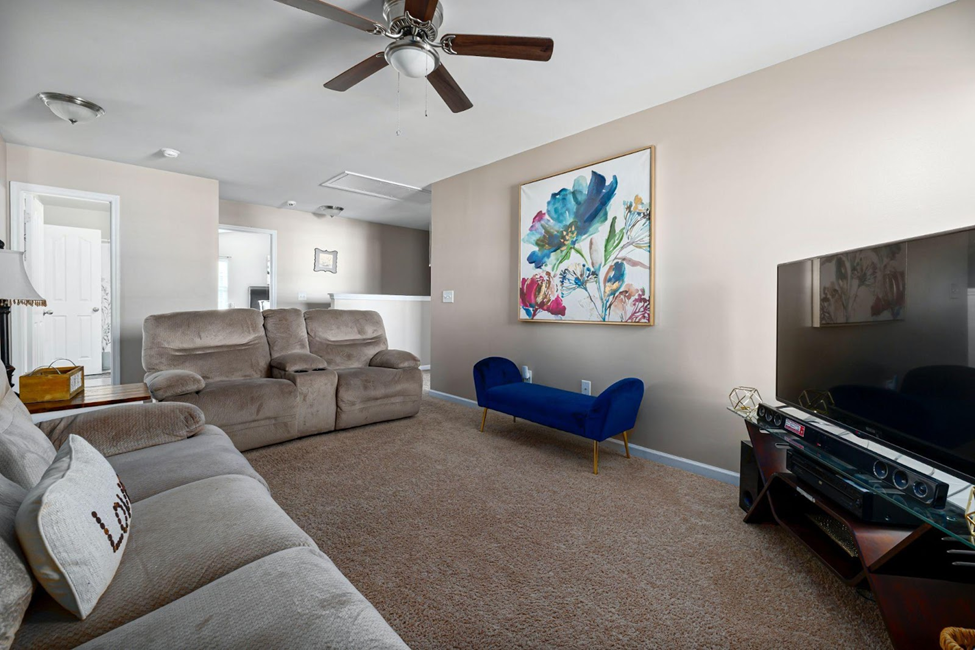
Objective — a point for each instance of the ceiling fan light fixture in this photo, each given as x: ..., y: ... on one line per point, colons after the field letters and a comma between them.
x: 412, y: 57
x: 70, y: 108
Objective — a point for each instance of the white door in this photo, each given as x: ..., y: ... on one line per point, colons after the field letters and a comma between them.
x: 72, y: 320
x: 34, y: 261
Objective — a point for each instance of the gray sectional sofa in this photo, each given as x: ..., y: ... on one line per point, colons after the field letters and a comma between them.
x: 267, y: 377
x: 212, y: 561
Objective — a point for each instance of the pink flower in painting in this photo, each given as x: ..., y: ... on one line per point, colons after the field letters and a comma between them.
x: 538, y: 293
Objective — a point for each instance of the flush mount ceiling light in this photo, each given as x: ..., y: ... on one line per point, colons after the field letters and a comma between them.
x: 328, y: 211
x: 70, y: 108
x: 169, y: 153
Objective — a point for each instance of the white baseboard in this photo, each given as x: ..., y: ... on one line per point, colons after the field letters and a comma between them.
x: 447, y: 397
x: 693, y: 466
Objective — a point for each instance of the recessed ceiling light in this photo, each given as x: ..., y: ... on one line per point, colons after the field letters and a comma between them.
x: 70, y: 108
x: 169, y: 153
x: 328, y: 210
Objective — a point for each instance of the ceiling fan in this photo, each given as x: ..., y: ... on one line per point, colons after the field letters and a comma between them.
x: 413, y: 26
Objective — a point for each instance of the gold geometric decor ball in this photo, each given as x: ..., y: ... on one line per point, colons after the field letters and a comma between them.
x: 745, y: 399
x: 970, y: 512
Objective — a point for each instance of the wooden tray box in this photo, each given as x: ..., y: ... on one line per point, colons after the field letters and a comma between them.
x: 52, y: 384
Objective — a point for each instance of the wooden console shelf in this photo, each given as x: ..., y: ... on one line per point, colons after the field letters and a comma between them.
x: 917, y: 588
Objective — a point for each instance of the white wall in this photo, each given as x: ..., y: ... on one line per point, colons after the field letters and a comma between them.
x: 866, y: 141
x: 168, y: 234
x: 95, y: 219
x: 248, y: 254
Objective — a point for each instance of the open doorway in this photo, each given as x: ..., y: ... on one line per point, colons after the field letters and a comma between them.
x: 247, y: 268
x: 70, y: 239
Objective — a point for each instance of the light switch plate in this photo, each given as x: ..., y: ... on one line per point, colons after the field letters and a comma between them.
x: 586, y: 387
x: 448, y: 296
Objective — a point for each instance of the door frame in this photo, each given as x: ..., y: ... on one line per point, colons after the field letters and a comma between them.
x: 21, y: 332
x: 273, y: 290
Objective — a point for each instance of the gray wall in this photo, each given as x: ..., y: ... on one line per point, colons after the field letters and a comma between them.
x: 167, y: 234
x: 866, y: 141
x: 373, y: 258
x: 5, y: 207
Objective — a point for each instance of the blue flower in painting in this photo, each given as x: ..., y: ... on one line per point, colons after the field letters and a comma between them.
x: 614, y: 280
x: 571, y: 216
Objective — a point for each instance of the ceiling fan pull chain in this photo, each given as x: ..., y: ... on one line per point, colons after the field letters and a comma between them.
x: 399, y: 113
x: 426, y: 94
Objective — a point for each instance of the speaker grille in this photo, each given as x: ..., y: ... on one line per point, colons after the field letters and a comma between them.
x: 360, y: 184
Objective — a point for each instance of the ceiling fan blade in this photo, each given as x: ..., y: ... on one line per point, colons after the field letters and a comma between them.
x: 528, y: 48
x: 422, y: 9
x: 357, y: 73
x: 332, y: 12
x: 448, y: 90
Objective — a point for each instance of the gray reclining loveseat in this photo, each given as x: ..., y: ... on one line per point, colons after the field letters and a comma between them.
x: 267, y: 377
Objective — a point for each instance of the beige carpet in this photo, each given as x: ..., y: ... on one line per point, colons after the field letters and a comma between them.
x: 505, y: 539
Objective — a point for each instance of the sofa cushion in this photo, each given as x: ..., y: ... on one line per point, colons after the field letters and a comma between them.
x: 74, y: 526
x: 170, y: 383
x: 25, y: 452
x: 359, y: 386
x: 560, y: 409
x: 298, y: 362
x: 238, y: 401
x: 292, y: 599
x: 147, y: 472
x: 345, y: 338
x: 285, y: 329
x: 16, y: 582
x: 128, y: 427
x: 183, y: 539
x: 215, y: 344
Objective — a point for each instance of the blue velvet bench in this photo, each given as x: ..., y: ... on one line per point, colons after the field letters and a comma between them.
x: 500, y: 388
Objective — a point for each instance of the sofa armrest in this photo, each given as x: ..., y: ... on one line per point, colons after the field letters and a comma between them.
x: 121, y: 429
x: 614, y: 411
x: 492, y: 372
x: 298, y: 362
x: 395, y: 359
x: 172, y: 383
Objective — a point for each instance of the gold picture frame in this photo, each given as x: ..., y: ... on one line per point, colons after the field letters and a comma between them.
x: 607, y: 298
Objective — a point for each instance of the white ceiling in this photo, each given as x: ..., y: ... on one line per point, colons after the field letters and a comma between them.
x: 236, y: 85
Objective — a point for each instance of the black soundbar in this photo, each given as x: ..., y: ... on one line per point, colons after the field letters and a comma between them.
x: 909, y: 482
x: 860, y: 501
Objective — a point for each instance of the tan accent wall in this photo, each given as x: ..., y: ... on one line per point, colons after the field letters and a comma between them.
x: 862, y: 142
x: 373, y: 258
x: 167, y: 234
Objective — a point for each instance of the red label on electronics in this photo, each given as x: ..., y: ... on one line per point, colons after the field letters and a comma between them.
x: 795, y: 428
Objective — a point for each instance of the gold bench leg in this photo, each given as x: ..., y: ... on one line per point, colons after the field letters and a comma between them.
x: 626, y: 443
x: 483, y: 419
x: 595, y: 457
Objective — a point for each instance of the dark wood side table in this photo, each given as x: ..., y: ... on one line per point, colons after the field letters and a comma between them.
x: 94, y: 397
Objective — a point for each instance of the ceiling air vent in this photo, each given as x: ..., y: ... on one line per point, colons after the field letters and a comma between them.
x: 370, y: 186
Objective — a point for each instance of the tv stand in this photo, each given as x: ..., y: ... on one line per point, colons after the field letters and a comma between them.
x: 910, y: 571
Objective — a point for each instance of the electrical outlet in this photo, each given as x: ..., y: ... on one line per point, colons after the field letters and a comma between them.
x: 526, y: 374
x: 302, y: 295
x: 448, y: 296
x: 586, y: 387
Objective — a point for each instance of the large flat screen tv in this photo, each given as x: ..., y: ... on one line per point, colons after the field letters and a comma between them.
x: 881, y: 340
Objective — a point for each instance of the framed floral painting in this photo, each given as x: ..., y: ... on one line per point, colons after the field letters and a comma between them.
x: 586, y: 242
